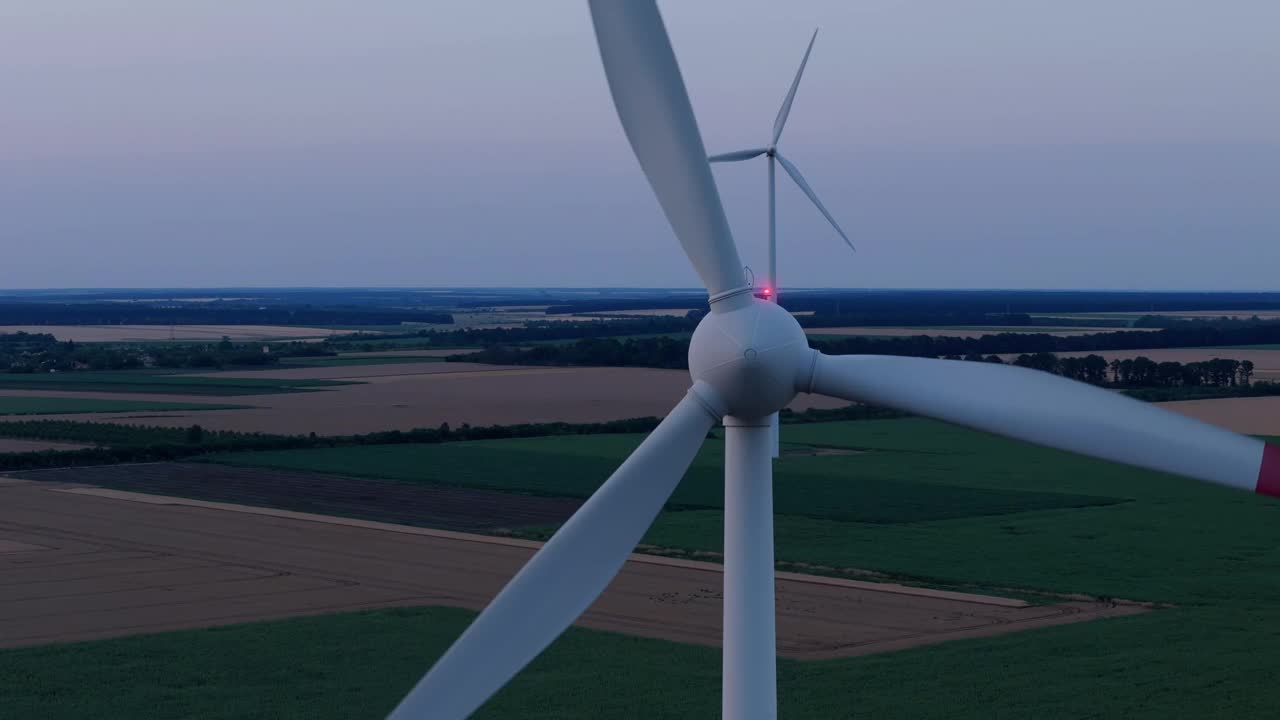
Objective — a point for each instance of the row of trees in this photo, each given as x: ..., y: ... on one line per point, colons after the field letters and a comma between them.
x: 1143, y: 371
x: 42, y: 353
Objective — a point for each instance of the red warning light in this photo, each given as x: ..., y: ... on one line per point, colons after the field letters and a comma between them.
x: 767, y: 292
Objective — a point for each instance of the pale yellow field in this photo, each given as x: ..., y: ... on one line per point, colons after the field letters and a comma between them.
x: 127, y: 333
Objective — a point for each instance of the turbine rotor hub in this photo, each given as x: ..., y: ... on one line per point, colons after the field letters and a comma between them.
x: 754, y: 357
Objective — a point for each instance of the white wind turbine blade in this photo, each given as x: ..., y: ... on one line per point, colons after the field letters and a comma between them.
x: 658, y: 120
x: 1049, y: 410
x: 737, y: 155
x: 794, y: 172
x: 565, y: 576
x: 785, y: 110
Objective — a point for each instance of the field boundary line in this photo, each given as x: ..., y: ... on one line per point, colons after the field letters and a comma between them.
x: 888, y: 588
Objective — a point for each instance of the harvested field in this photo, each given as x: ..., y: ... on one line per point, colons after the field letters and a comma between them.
x: 8, y: 445
x: 86, y: 563
x: 449, y: 508
x: 1252, y: 415
x: 136, y: 333
x: 455, y: 393
x: 963, y: 332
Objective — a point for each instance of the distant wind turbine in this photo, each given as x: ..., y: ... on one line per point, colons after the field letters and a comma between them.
x: 771, y: 281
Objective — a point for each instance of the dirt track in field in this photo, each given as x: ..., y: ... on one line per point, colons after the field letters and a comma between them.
x: 79, y: 563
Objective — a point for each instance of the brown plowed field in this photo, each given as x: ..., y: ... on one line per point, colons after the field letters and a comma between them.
x: 381, y: 500
x: 82, y: 563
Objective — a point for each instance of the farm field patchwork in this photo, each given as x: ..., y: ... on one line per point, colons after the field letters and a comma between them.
x: 574, y: 466
x: 1208, y: 551
x: 402, y: 397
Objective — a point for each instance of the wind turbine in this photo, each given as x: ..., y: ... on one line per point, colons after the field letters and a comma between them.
x: 775, y: 157
x: 749, y: 358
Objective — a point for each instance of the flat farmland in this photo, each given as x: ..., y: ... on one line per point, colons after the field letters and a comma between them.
x: 408, y: 395
x: 142, y: 333
x: 960, y: 331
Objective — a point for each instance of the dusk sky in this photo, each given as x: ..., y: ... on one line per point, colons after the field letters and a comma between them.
x: 990, y: 143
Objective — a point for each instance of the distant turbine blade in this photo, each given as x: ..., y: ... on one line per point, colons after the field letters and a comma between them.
x: 791, y: 94
x: 658, y: 120
x: 794, y: 172
x: 565, y: 576
x: 1049, y: 410
x: 737, y: 155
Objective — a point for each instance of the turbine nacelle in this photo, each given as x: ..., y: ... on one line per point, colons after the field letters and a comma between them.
x: 754, y: 357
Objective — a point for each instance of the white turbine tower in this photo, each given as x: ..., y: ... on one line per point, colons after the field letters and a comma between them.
x: 775, y: 157
x: 749, y: 358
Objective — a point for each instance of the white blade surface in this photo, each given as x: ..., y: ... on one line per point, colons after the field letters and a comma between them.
x: 737, y: 155
x: 658, y: 120
x: 565, y: 576
x: 785, y: 110
x: 794, y: 172
x: 1049, y: 410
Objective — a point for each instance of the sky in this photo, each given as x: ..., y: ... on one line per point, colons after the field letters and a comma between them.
x: 986, y: 144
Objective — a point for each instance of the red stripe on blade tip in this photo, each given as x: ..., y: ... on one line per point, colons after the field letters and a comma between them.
x: 1269, y: 474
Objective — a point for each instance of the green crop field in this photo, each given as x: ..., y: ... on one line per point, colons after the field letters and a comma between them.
x: 835, y: 487
x: 62, y: 405
x: 156, y: 383
x: 1169, y: 664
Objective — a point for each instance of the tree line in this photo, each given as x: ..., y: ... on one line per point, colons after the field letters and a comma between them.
x: 33, y: 353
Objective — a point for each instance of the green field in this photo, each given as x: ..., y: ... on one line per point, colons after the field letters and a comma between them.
x: 156, y: 383
x: 872, y: 487
x: 62, y: 405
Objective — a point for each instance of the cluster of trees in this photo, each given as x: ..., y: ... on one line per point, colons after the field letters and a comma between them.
x: 31, y: 353
x: 206, y: 313
x: 1142, y: 372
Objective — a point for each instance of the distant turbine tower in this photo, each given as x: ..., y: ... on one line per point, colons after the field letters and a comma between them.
x: 771, y: 282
